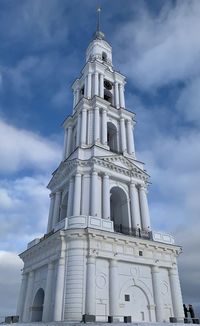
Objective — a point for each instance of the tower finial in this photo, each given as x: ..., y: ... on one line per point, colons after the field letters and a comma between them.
x: 98, y: 18
x: 98, y: 34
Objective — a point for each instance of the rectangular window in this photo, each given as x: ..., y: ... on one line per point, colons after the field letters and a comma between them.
x: 140, y: 253
x: 127, y: 297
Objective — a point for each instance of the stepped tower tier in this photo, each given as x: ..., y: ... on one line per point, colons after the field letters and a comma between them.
x: 100, y: 256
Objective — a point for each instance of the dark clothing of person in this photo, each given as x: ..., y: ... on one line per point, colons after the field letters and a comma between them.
x: 191, y: 311
x: 185, y: 311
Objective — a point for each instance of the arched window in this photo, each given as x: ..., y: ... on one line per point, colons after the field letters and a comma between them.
x: 37, y: 307
x: 112, y: 137
x: 104, y: 56
x: 108, y: 96
x: 119, y: 210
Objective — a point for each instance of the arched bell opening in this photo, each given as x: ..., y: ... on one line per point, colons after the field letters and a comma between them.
x: 108, y: 96
x: 119, y: 210
x: 112, y: 137
x: 37, y: 307
x: 104, y: 56
x: 63, y: 208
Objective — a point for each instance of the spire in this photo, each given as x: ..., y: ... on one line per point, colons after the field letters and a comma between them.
x: 98, y: 34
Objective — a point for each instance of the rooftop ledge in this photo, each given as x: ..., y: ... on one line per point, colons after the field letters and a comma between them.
x: 83, y: 221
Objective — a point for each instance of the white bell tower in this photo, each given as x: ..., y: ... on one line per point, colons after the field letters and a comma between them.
x: 100, y: 257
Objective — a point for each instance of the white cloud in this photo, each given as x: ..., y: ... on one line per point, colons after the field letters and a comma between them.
x: 20, y: 148
x: 161, y: 49
x: 10, y: 279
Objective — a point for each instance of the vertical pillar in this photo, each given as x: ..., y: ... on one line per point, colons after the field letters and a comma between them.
x: 113, y: 287
x: 21, y: 300
x: 56, y: 211
x: 101, y: 88
x: 93, y: 195
x: 85, y: 197
x: 89, y: 85
x: 51, y: 209
x: 59, y: 289
x: 144, y: 208
x: 131, y: 149
x: 70, y: 197
x: 77, y: 95
x: 29, y: 291
x: 69, y: 141
x: 77, y: 195
x: 96, y: 124
x: 157, y: 293
x: 116, y: 95
x: 106, y: 197
x: 78, y: 130
x: 86, y: 86
x: 104, y: 127
x: 83, y: 126
x: 90, y: 127
x: 135, y: 208
x: 121, y: 94
x: 123, y: 135
x: 96, y: 83
x: 65, y: 145
x: 46, y: 316
x: 90, y: 287
x: 74, y: 99
x: 177, y: 301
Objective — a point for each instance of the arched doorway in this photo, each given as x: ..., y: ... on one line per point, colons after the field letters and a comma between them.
x: 112, y: 137
x: 37, y: 307
x: 63, y: 208
x: 119, y: 210
x: 135, y: 304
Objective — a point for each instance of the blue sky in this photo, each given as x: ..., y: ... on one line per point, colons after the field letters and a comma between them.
x: 156, y: 45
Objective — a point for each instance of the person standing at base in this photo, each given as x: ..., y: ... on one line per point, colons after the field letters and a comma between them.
x: 192, y: 314
x: 185, y: 311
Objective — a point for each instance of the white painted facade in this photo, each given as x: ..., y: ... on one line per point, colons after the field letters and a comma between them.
x: 100, y: 256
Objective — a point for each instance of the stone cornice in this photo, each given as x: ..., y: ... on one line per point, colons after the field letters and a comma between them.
x: 68, y: 166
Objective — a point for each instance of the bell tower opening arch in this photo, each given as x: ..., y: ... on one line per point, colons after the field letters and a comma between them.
x: 119, y: 209
x: 37, y: 307
x: 112, y: 140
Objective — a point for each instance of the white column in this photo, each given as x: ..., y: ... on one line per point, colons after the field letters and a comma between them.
x: 104, y: 126
x: 101, y: 91
x: 176, y: 293
x: 116, y: 95
x: 89, y: 85
x: 157, y: 293
x: 74, y: 99
x: 90, y: 127
x: 90, y: 287
x: 47, y: 307
x: 59, y: 289
x: 78, y: 130
x: 131, y: 149
x: 83, y: 126
x: 113, y: 288
x: 121, y: 92
x: 65, y: 145
x: 123, y: 135
x: 144, y: 208
x: 70, y: 197
x: 93, y: 195
x: 135, y: 208
x: 51, y: 209
x: 21, y: 300
x: 106, y: 197
x: 85, y: 202
x: 96, y: 83
x: 96, y: 124
x: 77, y: 195
x: 77, y: 95
x: 29, y: 292
x: 56, y: 211
x: 69, y: 140
x: 86, y: 86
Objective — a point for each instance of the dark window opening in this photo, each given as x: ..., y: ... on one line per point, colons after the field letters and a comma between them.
x: 127, y: 297
x: 108, y: 96
x: 82, y: 90
x: 140, y: 253
x: 107, y: 85
x: 104, y: 56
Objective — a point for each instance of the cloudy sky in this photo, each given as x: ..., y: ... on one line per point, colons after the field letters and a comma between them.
x: 156, y: 44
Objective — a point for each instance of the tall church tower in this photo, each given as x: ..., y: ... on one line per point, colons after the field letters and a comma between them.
x: 100, y: 256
